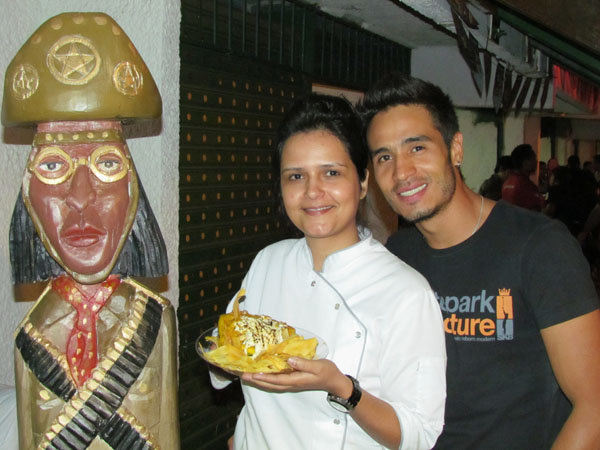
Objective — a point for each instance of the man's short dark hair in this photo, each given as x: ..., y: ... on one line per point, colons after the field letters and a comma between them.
x: 399, y: 89
x: 503, y: 164
x: 520, y: 154
x: 144, y: 253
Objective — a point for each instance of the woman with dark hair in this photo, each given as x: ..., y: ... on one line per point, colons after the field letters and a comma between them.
x: 383, y: 384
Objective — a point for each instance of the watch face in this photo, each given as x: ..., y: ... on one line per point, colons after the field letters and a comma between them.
x: 346, y: 405
x: 336, y: 403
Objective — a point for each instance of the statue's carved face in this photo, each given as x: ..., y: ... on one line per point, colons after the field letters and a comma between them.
x: 79, y: 197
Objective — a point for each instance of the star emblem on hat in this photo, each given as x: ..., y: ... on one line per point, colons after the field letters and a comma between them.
x: 127, y: 78
x: 73, y: 60
x: 25, y: 81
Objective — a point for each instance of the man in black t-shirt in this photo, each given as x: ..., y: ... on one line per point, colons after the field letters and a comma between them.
x: 520, y: 311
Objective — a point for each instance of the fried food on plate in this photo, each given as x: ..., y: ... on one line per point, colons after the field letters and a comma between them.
x: 256, y: 343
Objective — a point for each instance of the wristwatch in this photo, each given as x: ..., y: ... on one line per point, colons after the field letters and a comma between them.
x: 346, y: 405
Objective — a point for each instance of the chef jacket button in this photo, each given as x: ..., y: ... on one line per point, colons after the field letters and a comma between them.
x: 313, y: 283
x: 337, y: 306
x: 358, y: 334
x: 336, y: 421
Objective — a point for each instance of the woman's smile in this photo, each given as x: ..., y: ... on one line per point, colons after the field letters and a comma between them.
x: 318, y: 210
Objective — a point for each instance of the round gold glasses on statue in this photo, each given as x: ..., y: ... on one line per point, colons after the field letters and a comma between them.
x: 52, y: 165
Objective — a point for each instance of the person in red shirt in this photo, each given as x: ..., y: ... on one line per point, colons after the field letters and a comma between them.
x: 518, y: 188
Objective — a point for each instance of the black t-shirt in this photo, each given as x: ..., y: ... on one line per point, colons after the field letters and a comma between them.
x: 521, y: 272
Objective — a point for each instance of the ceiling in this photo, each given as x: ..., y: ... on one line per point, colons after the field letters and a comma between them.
x: 412, y: 23
x: 416, y: 23
x: 567, y: 31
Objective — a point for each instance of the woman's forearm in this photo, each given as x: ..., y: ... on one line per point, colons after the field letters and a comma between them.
x: 379, y: 420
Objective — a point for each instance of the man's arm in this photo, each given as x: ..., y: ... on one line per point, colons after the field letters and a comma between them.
x: 574, y: 351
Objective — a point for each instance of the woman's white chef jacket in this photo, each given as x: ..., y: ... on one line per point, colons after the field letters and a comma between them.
x: 382, y: 325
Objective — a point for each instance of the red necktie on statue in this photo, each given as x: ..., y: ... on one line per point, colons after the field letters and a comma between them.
x: 82, y: 354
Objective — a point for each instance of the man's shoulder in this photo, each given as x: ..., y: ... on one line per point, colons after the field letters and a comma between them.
x: 518, y: 219
x: 511, y: 179
x: 511, y: 228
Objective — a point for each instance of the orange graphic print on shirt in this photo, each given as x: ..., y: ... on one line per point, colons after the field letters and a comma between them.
x: 480, y: 317
x: 504, y: 315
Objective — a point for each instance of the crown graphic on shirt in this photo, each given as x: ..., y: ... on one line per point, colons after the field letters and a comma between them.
x: 504, y: 291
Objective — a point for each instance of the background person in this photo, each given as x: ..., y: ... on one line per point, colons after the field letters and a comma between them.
x: 518, y: 188
x: 543, y: 178
x: 596, y: 167
x: 378, y: 316
x: 492, y: 187
x: 571, y: 196
x: 520, y: 312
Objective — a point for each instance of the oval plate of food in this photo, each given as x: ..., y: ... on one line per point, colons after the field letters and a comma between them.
x: 244, y: 342
x: 273, y: 359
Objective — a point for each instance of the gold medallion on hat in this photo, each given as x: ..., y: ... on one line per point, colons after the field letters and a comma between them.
x: 127, y: 79
x: 73, y: 60
x: 25, y: 81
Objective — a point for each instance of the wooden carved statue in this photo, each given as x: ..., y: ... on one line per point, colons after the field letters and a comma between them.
x: 95, y: 357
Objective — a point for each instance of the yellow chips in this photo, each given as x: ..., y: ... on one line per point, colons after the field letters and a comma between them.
x: 273, y: 359
x: 232, y: 356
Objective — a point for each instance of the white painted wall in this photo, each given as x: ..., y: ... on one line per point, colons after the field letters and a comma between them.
x: 479, y: 147
x: 514, y: 133
x: 587, y: 150
x: 445, y: 67
x: 154, y: 29
x: 545, y: 149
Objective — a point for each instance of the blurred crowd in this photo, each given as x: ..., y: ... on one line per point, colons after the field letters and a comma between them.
x: 569, y: 193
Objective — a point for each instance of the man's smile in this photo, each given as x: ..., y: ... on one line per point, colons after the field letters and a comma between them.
x: 413, y: 191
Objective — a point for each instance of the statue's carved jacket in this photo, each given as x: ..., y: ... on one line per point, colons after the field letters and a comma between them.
x: 129, y: 401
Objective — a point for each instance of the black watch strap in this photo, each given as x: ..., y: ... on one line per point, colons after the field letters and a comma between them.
x: 346, y: 404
